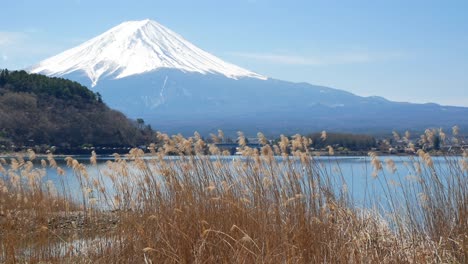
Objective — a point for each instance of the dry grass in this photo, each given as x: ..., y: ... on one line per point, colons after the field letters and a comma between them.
x: 260, y: 208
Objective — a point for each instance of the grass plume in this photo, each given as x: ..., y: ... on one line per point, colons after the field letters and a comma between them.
x: 273, y: 205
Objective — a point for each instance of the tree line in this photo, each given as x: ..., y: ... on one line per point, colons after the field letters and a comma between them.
x: 356, y: 142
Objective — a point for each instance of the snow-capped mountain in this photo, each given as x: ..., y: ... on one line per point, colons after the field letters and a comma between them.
x: 137, y: 47
x: 147, y: 71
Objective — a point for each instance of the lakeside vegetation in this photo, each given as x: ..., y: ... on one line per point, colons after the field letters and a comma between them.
x: 274, y: 205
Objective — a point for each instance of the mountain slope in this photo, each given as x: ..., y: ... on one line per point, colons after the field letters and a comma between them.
x: 147, y: 71
x: 180, y: 102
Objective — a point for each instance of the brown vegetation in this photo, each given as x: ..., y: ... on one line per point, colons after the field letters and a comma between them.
x: 273, y: 205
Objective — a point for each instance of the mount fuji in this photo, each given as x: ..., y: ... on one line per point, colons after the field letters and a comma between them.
x: 137, y: 47
x: 148, y: 71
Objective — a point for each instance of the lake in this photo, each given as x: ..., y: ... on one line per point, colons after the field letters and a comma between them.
x: 353, y: 175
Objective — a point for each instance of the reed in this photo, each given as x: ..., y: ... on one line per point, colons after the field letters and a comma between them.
x: 274, y: 205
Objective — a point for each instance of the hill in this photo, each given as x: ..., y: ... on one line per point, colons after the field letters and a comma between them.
x: 39, y: 110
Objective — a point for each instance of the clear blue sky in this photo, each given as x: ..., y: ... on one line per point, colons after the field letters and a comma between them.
x: 413, y: 51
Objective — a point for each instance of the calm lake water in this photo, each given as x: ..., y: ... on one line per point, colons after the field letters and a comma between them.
x: 352, y: 174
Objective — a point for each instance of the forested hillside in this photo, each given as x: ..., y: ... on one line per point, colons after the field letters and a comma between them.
x: 35, y: 110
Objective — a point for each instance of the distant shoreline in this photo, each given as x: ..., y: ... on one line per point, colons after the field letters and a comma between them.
x: 313, y: 154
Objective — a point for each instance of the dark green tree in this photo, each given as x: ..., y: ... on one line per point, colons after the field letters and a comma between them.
x: 436, y: 143
x: 140, y: 122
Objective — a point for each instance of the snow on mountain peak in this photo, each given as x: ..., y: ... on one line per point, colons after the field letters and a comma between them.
x: 136, y: 47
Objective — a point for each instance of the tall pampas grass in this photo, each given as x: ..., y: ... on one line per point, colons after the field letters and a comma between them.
x: 276, y: 204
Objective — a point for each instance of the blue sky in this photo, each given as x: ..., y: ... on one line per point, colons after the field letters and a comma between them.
x: 413, y: 51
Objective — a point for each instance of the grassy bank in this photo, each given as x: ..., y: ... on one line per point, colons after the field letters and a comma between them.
x: 274, y: 205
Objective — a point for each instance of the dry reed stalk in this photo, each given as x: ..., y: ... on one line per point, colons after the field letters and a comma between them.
x: 260, y: 208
